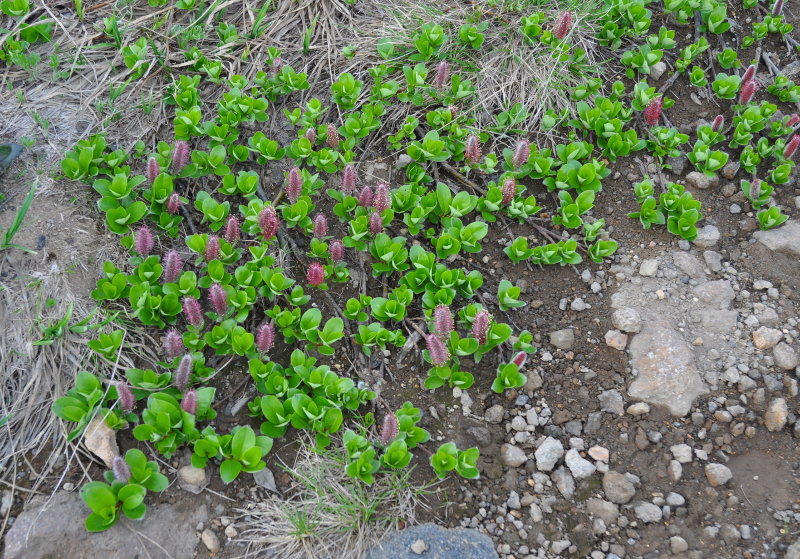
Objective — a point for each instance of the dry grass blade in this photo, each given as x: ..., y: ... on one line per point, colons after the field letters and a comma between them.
x: 325, y: 514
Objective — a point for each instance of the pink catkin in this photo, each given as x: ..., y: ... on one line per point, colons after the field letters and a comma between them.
x: 294, y: 185
x: 509, y: 190
x: 192, y: 311
x: 180, y: 156
x: 519, y: 359
x: 126, y: 399
x: 375, y: 223
x: 143, y: 240
x: 777, y: 8
x: 749, y: 73
x: 153, y: 170
x: 268, y: 221
x: 442, y: 75
x: 437, y: 350
x: 336, y: 250
x: 652, y: 112
x: 563, y: 25
x: 173, y: 266
x: 791, y: 147
x: 480, y: 326
x: 349, y: 180
x: 365, y: 197
x: 332, y: 137
x: 265, y: 337
x: 311, y: 135
x: 315, y: 274
x: 442, y: 321
x: 120, y: 469
x: 748, y: 91
x: 383, y: 198
x: 174, y: 203
x: 390, y: 428
x: 233, y: 231
x: 173, y: 344
x: 793, y: 119
x: 521, y: 153
x: 212, y: 248
x: 184, y: 372
x: 189, y: 402
x: 218, y: 298
x: 320, y: 226
x: 719, y: 122
x: 472, y: 150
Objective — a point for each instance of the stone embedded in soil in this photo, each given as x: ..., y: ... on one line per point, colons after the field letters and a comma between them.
x: 627, y: 319
x: 689, y: 264
x: 210, y: 540
x: 785, y: 238
x: 266, y: 479
x: 682, y: 453
x: 617, y: 487
x: 648, y: 268
x: 101, y: 440
x: 419, y: 547
x: 616, y: 339
x: 765, y: 338
x: 700, y: 181
x: 785, y: 356
x: 675, y: 470
x: 192, y: 479
x: 707, y: 236
x: 776, y: 415
x: 611, y: 402
x: 564, y: 482
x: 677, y: 545
x: 667, y: 374
x: 512, y: 455
x: 548, y: 454
x: 599, y: 453
x: 647, y: 512
x: 442, y: 543
x: 716, y: 294
x: 793, y: 552
x: 55, y: 528
x: 494, y: 415
x: 605, y: 510
x: 579, y: 466
x: 718, y: 474
x: 639, y: 408
x: 563, y: 339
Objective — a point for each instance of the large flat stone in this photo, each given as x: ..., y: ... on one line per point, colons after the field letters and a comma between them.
x: 56, y: 529
x: 439, y: 543
x: 667, y: 374
x: 785, y: 238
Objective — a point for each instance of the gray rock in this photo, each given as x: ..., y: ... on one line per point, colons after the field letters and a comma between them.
x: 729, y: 533
x: 579, y: 466
x: 512, y: 455
x: 548, y: 454
x: 776, y: 415
x: 564, y: 482
x: 648, y: 268
x: 647, y: 512
x: 713, y: 260
x: 793, y: 551
x: 441, y: 544
x: 657, y: 70
x: 266, y: 479
x: 785, y: 356
x: 700, y: 181
x: 56, y: 529
x: 682, y: 453
x: 605, y: 510
x: 675, y: 499
x: 717, y: 294
x: 707, y: 237
x: 667, y: 374
x: 513, y: 500
x: 563, y: 339
x: 617, y: 487
x: 718, y: 474
x: 689, y: 264
x: 719, y: 320
x: 785, y: 238
x: 730, y: 169
x: 766, y: 338
x: 611, y: 401
x: 616, y: 339
x: 678, y: 164
x: 494, y: 414
x: 210, y: 540
x: 627, y: 319
x: 192, y: 479
x: 677, y: 545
